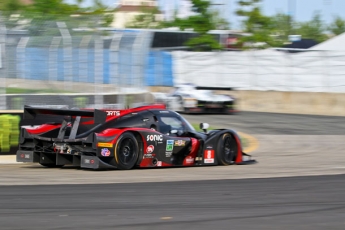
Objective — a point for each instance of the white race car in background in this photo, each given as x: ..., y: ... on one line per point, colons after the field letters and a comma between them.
x: 193, y: 99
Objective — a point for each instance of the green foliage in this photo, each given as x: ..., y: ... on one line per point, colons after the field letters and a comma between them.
x: 201, y: 22
x: 313, y: 29
x: 204, y: 42
x: 33, y: 91
x: 42, y: 15
x: 219, y: 22
x: 147, y: 19
x: 337, y: 26
x: 282, y: 27
x: 258, y: 25
x: 10, y: 6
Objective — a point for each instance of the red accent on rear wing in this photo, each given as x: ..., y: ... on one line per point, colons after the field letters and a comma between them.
x: 122, y: 112
x: 99, y: 116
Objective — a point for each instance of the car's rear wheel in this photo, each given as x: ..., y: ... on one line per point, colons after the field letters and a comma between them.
x: 227, y: 149
x: 126, y: 151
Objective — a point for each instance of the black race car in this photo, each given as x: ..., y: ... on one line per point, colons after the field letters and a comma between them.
x: 146, y: 136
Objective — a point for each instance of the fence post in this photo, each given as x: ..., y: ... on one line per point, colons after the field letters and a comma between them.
x: 67, y: 42
x: 83, y: 58
x: 53, y: 59
x: 98, y: 81
x: 114, y: 59
x: 3, y: 73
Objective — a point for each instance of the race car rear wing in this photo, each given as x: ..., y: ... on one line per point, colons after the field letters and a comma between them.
x: 98, y: 115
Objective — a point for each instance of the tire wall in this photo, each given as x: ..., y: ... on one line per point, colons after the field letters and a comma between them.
x: 9, y: 132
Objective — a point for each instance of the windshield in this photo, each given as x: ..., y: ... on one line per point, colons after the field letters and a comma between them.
x: 188, y: 125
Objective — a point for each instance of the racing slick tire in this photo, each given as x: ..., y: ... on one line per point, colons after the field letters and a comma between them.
x: 50, y: 165
x: 226, y: 149
x: 126, y: 151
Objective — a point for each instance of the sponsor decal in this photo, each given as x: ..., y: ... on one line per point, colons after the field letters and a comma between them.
x: 164, y: 111
x: 87, y: 161
x: 168, y: 154
x: 106, y: 145
x: 113, y: 113
x: 159, y: 163
x: 180, y: 143
x: 150, y: 149
x: 149, y: 155
x: 154, y: 138
x: 189, y: 160
x: 170, y: 145
x: 209, y: 156
x: 209, y: 147
x: 105, y: 152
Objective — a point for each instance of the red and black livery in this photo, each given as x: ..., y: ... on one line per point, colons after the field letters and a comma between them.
x: 146, y: 136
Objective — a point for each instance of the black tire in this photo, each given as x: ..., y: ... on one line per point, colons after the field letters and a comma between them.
x: 226, y: 149
x: 126, y: 151
x: 50, y: 165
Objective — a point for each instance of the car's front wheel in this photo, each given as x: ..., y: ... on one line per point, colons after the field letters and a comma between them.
x: 126, y: 151
x: 227, y: 149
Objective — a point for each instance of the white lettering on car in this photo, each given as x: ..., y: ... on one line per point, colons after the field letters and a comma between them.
x: 113, y: 113
x: 154, y: 138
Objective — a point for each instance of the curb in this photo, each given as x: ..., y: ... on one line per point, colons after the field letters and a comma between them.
x: 11, y: 159
x: 253, y: 143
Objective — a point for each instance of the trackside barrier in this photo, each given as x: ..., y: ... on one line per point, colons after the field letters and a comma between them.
x: 9, y: 132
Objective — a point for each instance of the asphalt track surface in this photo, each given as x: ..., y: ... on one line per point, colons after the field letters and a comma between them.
x: 261, y: 204
x: 297, y: 202
x: 275, y: 123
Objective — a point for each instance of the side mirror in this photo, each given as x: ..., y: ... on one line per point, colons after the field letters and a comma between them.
x: 204, y: 126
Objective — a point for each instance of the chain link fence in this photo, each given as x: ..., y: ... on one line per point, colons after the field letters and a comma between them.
x: 71, y: 63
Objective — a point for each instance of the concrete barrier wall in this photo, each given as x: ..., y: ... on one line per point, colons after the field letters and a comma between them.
x: 331, y: 104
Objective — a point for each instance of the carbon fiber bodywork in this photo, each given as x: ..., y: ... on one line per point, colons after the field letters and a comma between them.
x: 147, y: 136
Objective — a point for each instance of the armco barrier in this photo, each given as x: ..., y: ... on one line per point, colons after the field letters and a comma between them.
x: 330, y: 104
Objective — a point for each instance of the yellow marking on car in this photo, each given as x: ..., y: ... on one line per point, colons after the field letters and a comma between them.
x: 103, y: 144
x: 253, y: 143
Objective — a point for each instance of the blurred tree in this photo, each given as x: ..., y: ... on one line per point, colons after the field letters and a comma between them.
x: 51, y: 8
x: 282, y: 27
x: 10, y: 6
x: 313, y: 29
x: 337, y: 26
x: 202, y: 21
x: 43, y: 15
x: 256, y: 24
x: 219, y: 22
x: 147, y: 19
